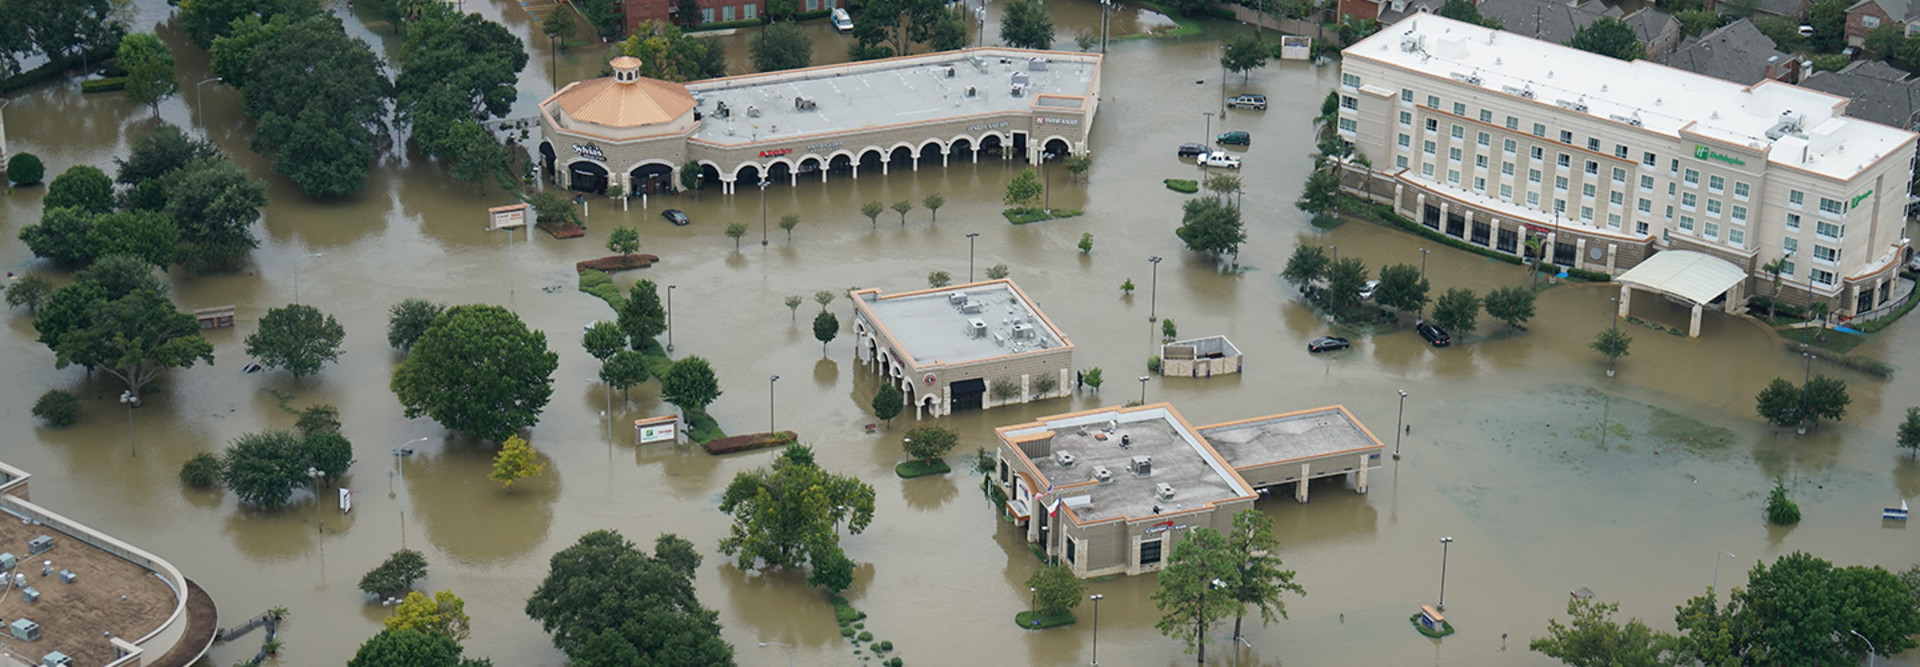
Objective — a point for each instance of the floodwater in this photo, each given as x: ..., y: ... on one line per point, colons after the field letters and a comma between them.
x: 1505, y: 453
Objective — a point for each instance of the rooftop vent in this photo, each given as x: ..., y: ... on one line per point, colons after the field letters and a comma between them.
x: 1572, y: 105
x: 66, y: 576
x: 40, y: 545
x: 1126, y: 440
x: 56, y: 659
x: 1789, y: 123
x: 1037, y: 64
x: 1164, y: 490
x: 1065, y: 459
x: 1516, y: 90
x: 1141, y: 465
x: 976, y: 328
x: 957, y: 298
x: 7, y: 561
x: 30, y: 594
x: 1469, y: 79
x: 1102, y: 475
x: 25, y: 630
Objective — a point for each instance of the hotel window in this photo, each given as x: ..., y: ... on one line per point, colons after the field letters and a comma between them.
x: 1433, y: 125
x: 1586, y: 190
x: 1828, y: 230
x: 1688, y: 201
x: 1506, y: 192
x: 1480, y: 161
x: 1669, y: 212
x: 1640, y: 227
x: 1825, y: 254
x: 1070, y: 542
x: 1506, y: 168
x: 1613, y: 220
x: 1786, y: 268
x: 1713, y: 207
x: 1593, y: 168
x: 1740, y: 214
x: 1453, y: 177
x: 1649, y: 159
x: 1400, y: 161
x: 1566, y: 137
x: 1740, y: 189
x: 1349, y: 103
x: 1479, y: 184
x: 1793, y: 222
x: 1559, y: 206
x: 1716, y: 184
x: 1692, y: 178
x: 1457, y: 132
x: 1565, y: 160
x: 1426, y: 169
x: 1672, y: 188
x: 1513, y: 123
x: 1593, y: 144
x: 1673, y: 166
x: 1536, y: 152
x: 1533, y: 199
x: 1686, y: 223
x: 1712, y: 230
x: 1737, y: 237
x: 1586, y: 213
x: 1620, y: 151
x: 1822, y: 277
x: 1486, y: 116
x: 726, y: 13
x: 1406, y: 119
x: 1433, y: 101
x: 1406, y: 95
x: 1645, y: 206
x: 1560, y: 183
x: 1453, y: 154
x: 1791, y: 245
x: 1348, y: 125
x: 1646, y: 183
x: 1796, y: 198
x: 749, y: 10
x: 1349, y: 80
x: 1150, y: 552
x: 1533, y: 176
x: 1832, y: 206
x: 1459, y: 109
x: 1509, y: 146
x: 1539, y: 130
x: 706, y: 15
x: 1618, y: 198
x: 1485, y: 139
x: 1428, y: 146
x: 1619, y: 175
x: 1406, y: 141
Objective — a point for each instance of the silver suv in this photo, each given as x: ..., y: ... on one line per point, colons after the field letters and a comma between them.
x: 1255, y: 102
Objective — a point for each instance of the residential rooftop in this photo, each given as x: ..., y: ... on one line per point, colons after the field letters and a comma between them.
x: 964, y: 323
x: 896, y: 91
x: 1736, y: 52
x: 1288, y: 437
x: 1639, y: 93
x: 1111, y: 440
x: 1880, y: 92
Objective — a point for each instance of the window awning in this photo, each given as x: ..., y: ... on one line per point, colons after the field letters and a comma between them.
x: 1694, y: 276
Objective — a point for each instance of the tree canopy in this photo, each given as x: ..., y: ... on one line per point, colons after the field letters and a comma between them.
x: 443, y: 614
x: 396, y: 574
x: 1187, y: 598
x: 81, y: 186
x: 1613, y: 38
x: 1802, y: 610
x: 887, y: 28
x: 264, y: 468
x: 409, y: 319
x: 319, y: 96
x: 1026, y: 25
x: 1512, y: 305
x: 1211, y: 226
x: 515, y: 461
x: 1258, y: 581
x: 296, y: 337
x: 609, y: 604
x: 478, y: 369
x: 929, y: 442
x: 667, y: 52
x: 115, y: 318
x: 781, y: 45
x: 825, y: 327
x: 642, y: 317
x: 456, y: 70
x: 1457, y: 311
x: 1244, y: 53
x: 790, y: 515
x: 1591, y: 638
x: 411, y: 648
x: 1402, y: 288
x: 1021, y: 191
x: 690, y: 384
x: 149, y: 66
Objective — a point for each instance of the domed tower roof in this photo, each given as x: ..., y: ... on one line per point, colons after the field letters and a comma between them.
x: 625, y: 99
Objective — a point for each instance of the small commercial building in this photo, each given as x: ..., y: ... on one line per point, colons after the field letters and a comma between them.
x: 1111, y: 490
x: 967, y: 347
x: 1199, y: 357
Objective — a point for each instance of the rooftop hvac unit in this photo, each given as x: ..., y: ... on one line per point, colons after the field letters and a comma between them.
x: 949, y: 72
x: 25, y: 630
x: 7, y: 561
x: 1065, y: 459
x: 56, y: 659
x: 1102, y: 475
x: 1141, y: 465
x: 67, y: 576
x: 1019, y: 90
x: 30, y: 594
x: 972, y: 307
x: 1126, y: 440
x: 976, y: 328
x: 1164, y: 490
x: 40, y: 545
x: 1037, y: 64
x: 956, y: 298
x: 1020, y: 78
x: 1022, y: 330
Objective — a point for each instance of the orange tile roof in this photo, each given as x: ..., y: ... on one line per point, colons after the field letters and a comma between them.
x: 605, y: 101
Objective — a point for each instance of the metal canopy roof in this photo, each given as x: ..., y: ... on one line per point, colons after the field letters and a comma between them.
x: 1696, y: 277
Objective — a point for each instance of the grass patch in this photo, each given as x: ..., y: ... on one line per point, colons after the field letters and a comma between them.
x: 919, y: 468
x: 1874, y: 367
x: 1876, y: 324
x: 1022, y: 216
x: 1445, y: 627
x: 750, y: 442
x: 1043, y: 619
x: 1184, y: 26
x: 1183, y: 185
x: 1826, y: 339
x: 103, y: 85
x: 612, y: 263
x: 1687, y: 431
x: 705, y: 428
x: 599, y: 284
x: 845, y: 612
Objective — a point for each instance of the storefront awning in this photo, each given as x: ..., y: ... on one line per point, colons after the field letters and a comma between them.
x: 1696, y: 277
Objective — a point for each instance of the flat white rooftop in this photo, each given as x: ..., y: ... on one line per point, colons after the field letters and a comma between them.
x: 1660, y: 99
x: 896, y: 91
x: 1111, y: 440
x: 965, y: 323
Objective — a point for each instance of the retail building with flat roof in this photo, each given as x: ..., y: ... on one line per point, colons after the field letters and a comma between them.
x: 966, y: 347
x: 1111, y: 490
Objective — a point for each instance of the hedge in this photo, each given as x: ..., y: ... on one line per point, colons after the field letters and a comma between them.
x: 599, y: 284
x: 1876, y: 324
x: 919, y: 468
x: 103, y: 85
x: 1021, y: 216
x: 705, y: 428
x: 1384, y: 214
x: 613, y: 263
x: 751, y: 441
x: 55, y: 68
x: 1187, y: 186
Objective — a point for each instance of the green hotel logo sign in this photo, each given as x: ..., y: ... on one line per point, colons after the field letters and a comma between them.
x: 1858, y: 197
x: 1704, y: 153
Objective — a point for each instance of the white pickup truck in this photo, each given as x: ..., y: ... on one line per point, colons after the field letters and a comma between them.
x: 1220, y: 159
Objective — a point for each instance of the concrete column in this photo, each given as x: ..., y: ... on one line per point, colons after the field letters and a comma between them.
x: 1853, y: 299
x: 1493, y: 233
x: 1579, y: 251
x: 793, y: 179
x: 1397, y: 189
x: 976, y: 154
x: 1613, y: 257
x: 1693, y: 328
x: 1026, y: 387
x: 1419, y: 211
x: 1360, y: 484
x: 1445, y: 206
x: 1736, y: 296
x: 856, y: 173
x: 916, y: 163
x: 1300, y: 487
x: 884, y: 166
x: 946, y: 399
x: 823, y: 173
x: 945, y: 154
x: 1626, y: 297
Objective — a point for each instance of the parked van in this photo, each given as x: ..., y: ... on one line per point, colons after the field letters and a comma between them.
x: 841, y: 21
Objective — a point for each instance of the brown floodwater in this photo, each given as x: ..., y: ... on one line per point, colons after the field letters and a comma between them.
x: 1548, y: 475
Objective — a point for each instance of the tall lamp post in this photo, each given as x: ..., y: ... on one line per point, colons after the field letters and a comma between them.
x: 1871, y: 651
x: 1803, y: 386
x: 764, y: 182
x: 1206, y: 145
x: 770, y: 382
x: 129, y: 399
x: 1716, y: 567
x: 1399, y: 424
x: 1143, y: 390
x: 670, y: 317
x: 296, y: 272
x: 400, y: 468
x: 1033, y: 620
x: 1223, y: 83
x: 1444, y: 543
x: 319, y: 519
x: 1423, y: 262
x: 1105, y: 6
x: 198, y: 95
x: 970, y: 237
x: 1616, y: 329
x: 788, y: 647
x: 1153, y: 303
x: 1202, y: 644
x: 1096, y: 598
x: 981, y: 13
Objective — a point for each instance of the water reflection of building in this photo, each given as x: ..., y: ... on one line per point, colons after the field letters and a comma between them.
x: 638, y: 133
x: 1112, y: 490
x: 1494, y: 138
x: 120, y: 606
x: 968, y: 347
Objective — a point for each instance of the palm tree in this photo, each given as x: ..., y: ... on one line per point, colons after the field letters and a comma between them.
x: 1534, y: 244
x: 1362, y: 160
x: 1773, y: 269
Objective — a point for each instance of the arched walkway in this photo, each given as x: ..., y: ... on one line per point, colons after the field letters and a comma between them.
x: 1056, y: 148
x: 652, y: 179
x: 586, y: 176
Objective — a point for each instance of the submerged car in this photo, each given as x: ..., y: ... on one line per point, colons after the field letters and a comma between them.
x: 1434, y: 334
x: 1327, y: 344
x: 1192, y: 150
x: 1367, y: 291
x: 1255, y: 102
x: 1234, y: 138
x: 676, y: 217
x: 1219, y: 159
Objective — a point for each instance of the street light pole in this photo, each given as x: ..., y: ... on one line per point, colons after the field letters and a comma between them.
x: 1804, y: 383
x: 401, y: 468
x: 1033, y: 596
x: 296, y: 273
x: 764, y: 182
x: 789, y: 648
x: 1423, y: 262
x: 129, y: 399
x: 1444, y: 543
x: 1716, y: 567
x: 970, y: 237
x: 1871, y: 651
x: 1153, y: 303
x: 670, y: 317
x: 981, y: 12
x: 770, y: 382
x: 1616, y: 329
x: 1206, y: 145
x: 318, y: 518
x: 1143, y: 390
x: 1096, y: 598
x: 1398, y: 424
x: 1223, y: 83
x: 1105, y: 6
x: 198, y: 117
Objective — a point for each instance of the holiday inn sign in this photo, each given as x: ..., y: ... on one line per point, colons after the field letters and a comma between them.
x: 1704, y: 153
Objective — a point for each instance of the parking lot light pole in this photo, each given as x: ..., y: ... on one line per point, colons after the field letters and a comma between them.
x: 129, y: 399
x: 1716, y: 567
x: 1153, y: 303
x: 1399, y: 424
x: 198, y: 117
x: 1143, y: 390
x: 970, y: 237
x: 1423, y: 262
x: 1808, y: 380
x: 670, y: 317
x: 770, y: 382
x: 764, y: 182
x: 1096, y: 598
x: 1444, y: 543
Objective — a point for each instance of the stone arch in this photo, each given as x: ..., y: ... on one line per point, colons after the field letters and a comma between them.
x: 879, y: 157
x: 1064, y: 147
x: 547, y: 157
x: 895, y: 154
x: 653, y: 177
x: 747, y: 172
x: 841, y: 161
x: 961, y: 143
x: 587, y: 176
x: 709, y: 173
x: 991, y: 143
x: 780, y: 170
x: 812, y: 163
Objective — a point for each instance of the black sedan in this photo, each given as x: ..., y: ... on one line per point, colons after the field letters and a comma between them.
x: 1192, y: 150
x: 1327, y: 344
x: 674, y: 216
x: 1435, y: 335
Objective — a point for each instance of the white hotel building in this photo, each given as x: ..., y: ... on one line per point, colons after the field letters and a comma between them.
x: 1489, y: 137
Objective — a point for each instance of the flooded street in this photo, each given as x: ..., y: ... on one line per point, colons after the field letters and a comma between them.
x: 1505, y: 452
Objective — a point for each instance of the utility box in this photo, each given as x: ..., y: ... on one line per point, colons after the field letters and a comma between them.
x: 30, y: 594
x: 66, y: 576
x: 7, y: 561
x: 40, y: 545
x: 25, y: 630
x: 56, y: 659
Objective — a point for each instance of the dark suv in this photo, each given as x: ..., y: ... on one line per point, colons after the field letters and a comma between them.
x: 1255, y: 102
x: 1192, y: 150
x: 1435, y: 335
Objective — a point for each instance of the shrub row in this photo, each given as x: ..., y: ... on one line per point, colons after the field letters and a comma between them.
x: 599, y: 284
x: 55, y: 68
x: 750, y: 442
x: 705, y: 428
x: 1874, y: 367
x: 1021, y: 216
x: 1876, y: 324
x: 1187, y: 186
x: 613, y: 263
x: 1383, y: 213
x: 103, y: 85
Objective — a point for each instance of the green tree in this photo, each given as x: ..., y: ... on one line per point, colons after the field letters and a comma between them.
x: 318, y: 95
x: 57, y: 408
x: 114, y: 318
x: 1693, y: 22
x: 787, y: 223
x: 1591, y: 638
x: 1055, y: 589
x: 667, y: 52
x: 201, y: 471
x: 144, y: 235
x: 1613, y: 38
x: 298, y: 338
x: 928, y: 443
x: 1773, y: 270
x: 624, y: 241
x: 887, y: 403
x: 1457, y: 310
x: 1781, y: 511
x: 603, y: 339
x: 643, y: 318
x: 1779, y: 402
x: 901, y: 207
x: 1402, y: 288
x: 872, y: 210
x: 1026, y: 25
x: 825, y: 328
x: 609, y: 604
x: 1077, y: 166
x: 329, y: 452
x: 1783, y: 30
x: 1244, y: 53
x: 1803, y: 611
x: 1092, y: 378
x: 793, y: 302
x: 473, y: 156
x: 25, y: 169
x: 83, y: 187
x: 214, y: 204
x: 790, y: 514
x: 1258, y: 581
x: 1829, y: 21
x: 1612, y: 342
x: 560, y: 25
x: 1126, y: 287
x: 207, y: 20
x: 411, y: 648
x: 1909, y: 432
x: 1189, y: 599
x: 1322, y: 194
x: 689, y: 384
x: 443, y: 614
x: 395, y: 575
x: 1211, y: 227
x: 939, y: 279
x: 1344, y: 282
x: 933, y: 202
x: 1222, y: 185
x: 997, y: 271
x: 478, y: 369
x: 149, y: 66
x: 1306, y: 267
x: 409, y: 319
x: 64, y: 235
x: 515, y: 461
x: 1086, y: 242
x: 624, y: 369
x: 735, y: 231
x: 691, y: 177
x: 1460, y: 10
x: 823, y: 297
x: 781, y: 45
x: 1023, y: 189
x: 264, y: 468
x: 1826, y: 399
x: 1169, y: 330
x: 886, y: 28
x: 29, y: 290
x: 317, y: 418
x: 1512, y: 305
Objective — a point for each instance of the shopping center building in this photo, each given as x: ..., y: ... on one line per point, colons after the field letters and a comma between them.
x: 1493, y: 138
x: 871, y: 116
x: 1112, y: 490
x: 966, y: 347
